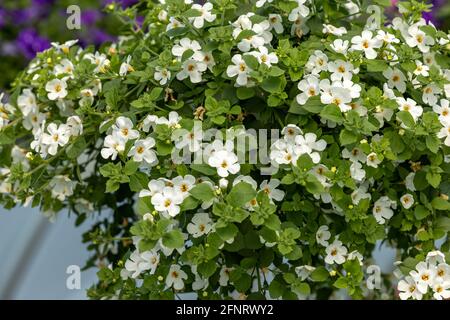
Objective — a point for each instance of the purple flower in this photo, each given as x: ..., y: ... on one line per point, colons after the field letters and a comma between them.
x: 90, y: 16
x: 30, y: 42
x: 3, y: 16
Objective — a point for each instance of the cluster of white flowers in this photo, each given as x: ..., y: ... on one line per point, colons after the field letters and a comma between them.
x: 167, y: 195
x: 294, y: 144
x: 433, y: 273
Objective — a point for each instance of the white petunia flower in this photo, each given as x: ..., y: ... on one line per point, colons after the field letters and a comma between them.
x: 57, y: 89
x: 323, y: 235
x: 200, y: 225
x: 357, y: 172
x: 185, y: 44
x: 276, y: 24
x: 61, y: 187
x: 443, y: 110
x: 407, y: 200
x: 367, y: 43
x: 423, y: 276
x: 192, y: 69
x: 125, y: 67
x: 162, y: 75
x: 408, y: 289
x: 430, y: 94
x: 396, y: 79
x: 382, y: 209
x: 264, y: 56
x: 205, y: 15
x: 167, y: 201
x: 225, y: 161
x: 27, y: 102
x: 418, y: 38
x: 373, y: 160
x: 112, y: 146
x: 445, y: 133
x: 239, y: 69
x: 154, y: 187
x: 270, y: 188
x: 317, y: 62
x: 410, y: 106
x: 173, y: 24
x: 183, y: 184
x: 123, y: 127
x: 142, y: 151
x: 309, y: 87
x: 341, y: 70
x: 336, y: 253
x: 64, y: 67
x: 330, y: 29
x: 421, y: 69
x: 57, y: 136
x: 340, y: 46
x: 175, y: 277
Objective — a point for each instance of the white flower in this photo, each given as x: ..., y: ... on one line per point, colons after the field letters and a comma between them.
x: 441, y: 290
x: 323, y: 235
x: 239, y: 69
x: 308, y: 144
x: 309, y: 87
x: 100, y: 60
x: 57, y: 89
x: 65, y: 47
x: 200, y: 225
x: 424, y: 276
x: 33, y: 121
x: 61, y: 187
x: 225, y: 161
x: 407, y: 200
x: 168, y: 201
x: 184, y: 45
x: 336, y: 253
x: 409, y: 181
x: 430, y: 93
x: 353, y: 88
x: 436, y: 258
x: 360, y: 193
x: 205, y: 14
x: 341, y: 70
x: 154, y: 187
x: 191, y: 139
x: 261, y: 3
x: 275, y: 21
x: 410, y: 106
x: 224, y: 276
x: 290, y: 132
x: 328, y: 28
x: 149, y: 261
x: 373, y: 160
x: 408, y: 289
x: 142, y: 151
x: 354, y: 155
x: 172, y: 121
x: 443, y: 111
x: 356, y: 255
x: 382, y: 210
x: 183, y: 184
x: 418, y: 38
x: 396, y: 79
x: 421, y: 69
x: 192, y: 69
x: 125, y: 67
x: 124, y: 129
x: 56, y: 136
x: 386, y: 37
x: 445, y: 133
x: 64, y: 67
x: 74, y: 126
x: 175, y: 277
x: 113, y: 145
x: 174, y: 23
x: 162, y: 15
x: 357, y: 172
x: 335, y: 95
x: 264, y: 56
x: 340, y: 46
x: 149, y: 122
x: 367, y: 43
x: 317, y: 62
x: 270, y: 188
x: 300, y: 11
x: 27, y: 102
x: 303, y: 272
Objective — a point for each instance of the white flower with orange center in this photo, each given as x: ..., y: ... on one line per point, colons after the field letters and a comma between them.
x: 200, y: 225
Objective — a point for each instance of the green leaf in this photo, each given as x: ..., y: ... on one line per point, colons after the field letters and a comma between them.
x: 276, y: 289
x: 421, y: 212
x: 301, y: 288
x: 250, y: 60
x: 440, y: 204
x: 173, y: 239
x: 406, y: 118
x: 347, y: 137
x: 244, y: 93
x: 319, y: 274
x: 131, y: 167
x: 228, y: 232
x: 241, y: 193
x: 272, y: 84
x: 434, y: 179
x: 76, y: 148
x: 341, y: 283
x: 138, y: 181
x: 333, y: 113
x: 376, y: 65
x: 203, y: 192
x: 207, y: 269
x: 433, y: 143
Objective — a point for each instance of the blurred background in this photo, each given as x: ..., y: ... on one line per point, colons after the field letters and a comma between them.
x: 35, y: 253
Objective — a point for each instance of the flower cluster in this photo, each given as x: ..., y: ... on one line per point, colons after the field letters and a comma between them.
x: 433, y: 273
x: 257, y: 151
